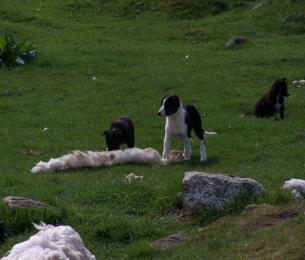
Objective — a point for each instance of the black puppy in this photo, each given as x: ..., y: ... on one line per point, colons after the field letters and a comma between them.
x: 273, y: 102
x: 121, y: 132
x: 2, y: 232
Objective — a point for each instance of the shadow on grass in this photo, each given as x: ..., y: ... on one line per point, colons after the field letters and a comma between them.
x: 195, y: 161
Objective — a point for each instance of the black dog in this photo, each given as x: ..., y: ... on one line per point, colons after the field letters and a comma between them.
x: 2, y: 232
x: 273, y: 102
x: 121, y: 132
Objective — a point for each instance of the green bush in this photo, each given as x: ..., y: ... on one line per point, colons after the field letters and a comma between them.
x: 13, y: 54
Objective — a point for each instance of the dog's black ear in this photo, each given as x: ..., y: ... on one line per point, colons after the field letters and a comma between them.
x: 276, y: 84
x: 176, y: 99
x: 105, y: 133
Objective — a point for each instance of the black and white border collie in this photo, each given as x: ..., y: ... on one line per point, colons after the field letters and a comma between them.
x: 180, y: 120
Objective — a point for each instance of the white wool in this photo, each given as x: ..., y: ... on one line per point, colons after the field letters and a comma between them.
x: 137, y: 155
x: 59, y: 243
x: 299, y: 82
x: 296, y: 186
x: 302, y: 81
x: 131, y: 176
x: 78, y: 159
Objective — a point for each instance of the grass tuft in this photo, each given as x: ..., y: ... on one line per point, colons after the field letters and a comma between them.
x: 17, y: 221
x: 125, y: 230
x: 141, y: 249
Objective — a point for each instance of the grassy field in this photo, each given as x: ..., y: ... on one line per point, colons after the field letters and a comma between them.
x: 136, y: 60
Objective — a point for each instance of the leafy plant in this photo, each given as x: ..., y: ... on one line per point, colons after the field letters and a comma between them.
x: 13, y: 54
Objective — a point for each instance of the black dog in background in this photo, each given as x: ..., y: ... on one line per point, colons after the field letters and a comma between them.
x: 2, y: 232
x: 121, y: 132
x: 273, y: 102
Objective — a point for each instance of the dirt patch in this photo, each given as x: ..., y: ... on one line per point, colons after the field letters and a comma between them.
x: 31, y: 152
x: 195, y: 34
x: 182, y: 215
x: 170, y: 241
x: 258, y: 247
x: 273, y: 219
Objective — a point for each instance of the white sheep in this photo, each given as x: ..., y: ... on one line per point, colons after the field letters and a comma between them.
x: 52, y: 243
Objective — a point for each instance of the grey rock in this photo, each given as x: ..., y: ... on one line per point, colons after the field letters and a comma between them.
x: 215, y: 192
x: 170, y: 241
x: 20, y: 202
x: 235, y: 41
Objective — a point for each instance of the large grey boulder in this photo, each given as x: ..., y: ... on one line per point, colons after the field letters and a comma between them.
x: 215, y: 192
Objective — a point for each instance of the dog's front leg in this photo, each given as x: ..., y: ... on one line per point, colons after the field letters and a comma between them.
x: 187, y: 148
x: 203, y: 151
x: 166, y: 147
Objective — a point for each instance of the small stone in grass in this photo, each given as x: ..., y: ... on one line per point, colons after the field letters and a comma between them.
x: 235, y: 41
x: 20, y: 202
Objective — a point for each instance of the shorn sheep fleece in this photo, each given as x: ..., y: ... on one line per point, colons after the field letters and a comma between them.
x: 51, y: 242
x: 296, y: 187
x: 89, y: 159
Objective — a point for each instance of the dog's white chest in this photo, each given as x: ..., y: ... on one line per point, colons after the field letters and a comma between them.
x: 178, y: 135
x: 178, y: 131
x: 176, y: 128
x: 277, y: 104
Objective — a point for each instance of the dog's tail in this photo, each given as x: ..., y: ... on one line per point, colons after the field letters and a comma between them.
x: 207, y: 133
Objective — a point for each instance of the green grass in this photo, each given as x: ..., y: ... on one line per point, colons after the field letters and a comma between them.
x: 136, y: 62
